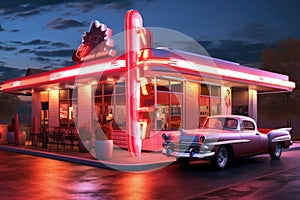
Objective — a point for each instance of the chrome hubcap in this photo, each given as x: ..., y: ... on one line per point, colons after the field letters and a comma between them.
x: 222, y: 157
x: 278, y: 149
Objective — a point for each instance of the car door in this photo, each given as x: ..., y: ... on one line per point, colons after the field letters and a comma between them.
x: 251, y: 138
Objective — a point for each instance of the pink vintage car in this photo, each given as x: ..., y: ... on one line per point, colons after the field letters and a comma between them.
x: 224, y: 138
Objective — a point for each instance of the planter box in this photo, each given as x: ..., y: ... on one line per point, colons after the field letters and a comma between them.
x: 104, y: 149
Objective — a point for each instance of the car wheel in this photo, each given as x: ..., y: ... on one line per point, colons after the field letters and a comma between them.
x: 183, y: 162
x: 276, y: 153
x: 222, y: 158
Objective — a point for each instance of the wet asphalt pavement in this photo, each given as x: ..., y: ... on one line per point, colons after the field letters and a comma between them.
x: 29, y: 177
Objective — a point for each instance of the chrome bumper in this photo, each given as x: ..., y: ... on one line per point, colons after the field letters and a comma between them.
x: 200, y: 155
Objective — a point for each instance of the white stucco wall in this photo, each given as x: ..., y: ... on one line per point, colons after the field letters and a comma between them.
x: 84, y: 105
x: 252, y: 103
x: 192, y: 113
x: 36, y: 108
x: 54, y: 108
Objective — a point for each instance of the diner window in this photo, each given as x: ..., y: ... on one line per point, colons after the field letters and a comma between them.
x: 104, y: 102
x: 169, y: 104
x: 120, y: 107
x: 209, y: 102
x: 44, y: 112
x: 66, y: 112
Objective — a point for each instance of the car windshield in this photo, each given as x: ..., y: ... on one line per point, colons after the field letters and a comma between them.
x: 220, y: 123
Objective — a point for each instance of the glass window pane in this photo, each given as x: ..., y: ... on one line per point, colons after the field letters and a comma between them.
x: 215, y: 91
x: 121, y: 99
x: 98, y: 90
x: 204, y: 89
x: 176, y: 86
x: 163, y: 98
x: 204, y: 109
x: 120, y: 87
x: 162, y: 85
x: 120, y: 117
x: 108, y: 100
x: 247, y: 125
x: 108, y: 89
x: 215, y: 105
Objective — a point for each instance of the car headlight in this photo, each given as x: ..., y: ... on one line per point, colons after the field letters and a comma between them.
x: 201, y: 140
x: 165, y: 137
x: 165, y: 145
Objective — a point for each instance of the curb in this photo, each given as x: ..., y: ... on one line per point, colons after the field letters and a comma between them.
x: 88, y: 162
x: 100, y: 164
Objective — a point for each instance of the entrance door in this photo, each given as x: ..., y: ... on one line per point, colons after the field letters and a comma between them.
x: 44, y: 113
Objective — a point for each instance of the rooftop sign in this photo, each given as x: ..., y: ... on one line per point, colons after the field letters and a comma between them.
x: 96, y: 43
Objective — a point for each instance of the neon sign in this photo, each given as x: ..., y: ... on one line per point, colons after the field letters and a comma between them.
x: 97, y: 39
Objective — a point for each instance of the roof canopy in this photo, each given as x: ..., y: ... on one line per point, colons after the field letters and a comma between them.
x: 172, y: 62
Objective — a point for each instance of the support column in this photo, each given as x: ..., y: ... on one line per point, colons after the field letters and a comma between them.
x: 84, y: 105
x: 53, y: 108
x: 252, y: 104
x: 36, y: 108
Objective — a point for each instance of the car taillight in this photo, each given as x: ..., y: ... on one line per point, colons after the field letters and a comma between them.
x: 201, y: 140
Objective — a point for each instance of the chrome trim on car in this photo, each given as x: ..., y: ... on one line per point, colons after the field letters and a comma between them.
x: 281, y: 138
x: 227, y: 142
x: 188, y: 155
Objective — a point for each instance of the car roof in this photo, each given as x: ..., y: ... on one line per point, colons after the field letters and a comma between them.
x: 239, y: 117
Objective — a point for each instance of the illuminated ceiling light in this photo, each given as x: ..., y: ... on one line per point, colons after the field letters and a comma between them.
x: 110, y: 79
x: 94, y: 82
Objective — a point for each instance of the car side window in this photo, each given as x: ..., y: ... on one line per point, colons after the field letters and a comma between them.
x: 247, y: 126
x: 231, y: 124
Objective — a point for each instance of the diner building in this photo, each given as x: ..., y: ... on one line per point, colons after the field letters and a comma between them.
x: 180, y: 93
x: 177, y: 90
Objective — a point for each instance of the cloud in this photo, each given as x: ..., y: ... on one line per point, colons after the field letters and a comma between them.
x: 17, y: 8
x: 40, y: 59
x: 60, y: 23
x: 14, y: 30
x: 67, y: 63
x: 124, y: 5
x: 5, y: 48
x: 253, y: 31
x: 56, y: 63
x: 240, y: 51
x: 26, y: 51
x: 10, y: 73
x: 28, y: 13
x: 16, y: 42
x: 37, y: 42
x: 56, y: 53
x: 60, y: 44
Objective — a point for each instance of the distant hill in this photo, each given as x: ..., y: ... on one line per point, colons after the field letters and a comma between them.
x: 7, y: 73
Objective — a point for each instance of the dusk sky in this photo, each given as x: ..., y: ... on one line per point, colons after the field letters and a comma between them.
x: 44, y: 33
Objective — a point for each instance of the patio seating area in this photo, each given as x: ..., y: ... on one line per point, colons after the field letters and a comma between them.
x: 55, y: 138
